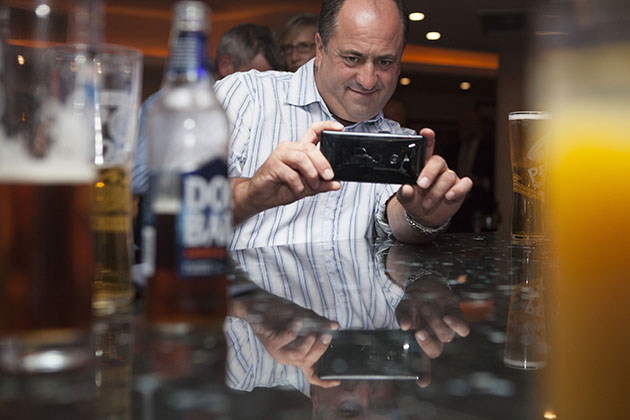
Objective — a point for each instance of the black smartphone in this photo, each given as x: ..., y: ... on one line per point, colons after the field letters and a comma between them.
x: 371, y: 355
x: 374, y: 157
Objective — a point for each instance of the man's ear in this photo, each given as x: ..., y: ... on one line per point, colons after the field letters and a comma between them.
x: 319, y: 49
x: 225, y: 66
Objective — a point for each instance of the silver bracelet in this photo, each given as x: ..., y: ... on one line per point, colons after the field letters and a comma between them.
x: 424, y: 229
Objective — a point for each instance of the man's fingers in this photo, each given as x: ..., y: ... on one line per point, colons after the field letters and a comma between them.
x: 431, y: 347
x: 459, y: 190
x: 294, y: 352
x: 459, y: 326
x: 318, y: 348
x: 320, y: 163
x: 291, y: 179
x: 433, y: 168
x: 313, y: 132
x: 425, y: 380
x: 311, y: 376
x: 429, y: 135
x: 442, y: 184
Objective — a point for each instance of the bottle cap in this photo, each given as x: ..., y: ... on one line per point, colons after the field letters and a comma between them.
x: 190, y: 16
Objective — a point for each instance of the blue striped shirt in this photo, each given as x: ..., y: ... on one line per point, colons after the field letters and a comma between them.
x: 270, y: 107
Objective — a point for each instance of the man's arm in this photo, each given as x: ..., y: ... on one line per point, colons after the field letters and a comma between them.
x: 293, y: 171
x: 417, y: 211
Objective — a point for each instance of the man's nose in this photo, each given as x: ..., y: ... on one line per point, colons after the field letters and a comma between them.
x: 367, y: 77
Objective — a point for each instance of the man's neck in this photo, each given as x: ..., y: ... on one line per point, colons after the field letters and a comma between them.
x: 345, y: 123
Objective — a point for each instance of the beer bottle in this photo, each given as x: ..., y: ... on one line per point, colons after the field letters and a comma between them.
x: 189, y: 215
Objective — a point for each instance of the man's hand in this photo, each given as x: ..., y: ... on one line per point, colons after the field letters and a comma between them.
x: 436, y: 197
x: 432, y: 310
x: 292, y: 335
x: 293, y: 171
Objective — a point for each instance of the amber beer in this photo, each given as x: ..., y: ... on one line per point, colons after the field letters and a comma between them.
x: 46, y: 262
x: 175, y: 299
x: 528, y: 130
x: 112, y: 227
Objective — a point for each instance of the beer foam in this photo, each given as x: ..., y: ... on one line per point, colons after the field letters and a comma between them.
x: 47, y: 174
x: 525, y: 115
x: 68, y: 159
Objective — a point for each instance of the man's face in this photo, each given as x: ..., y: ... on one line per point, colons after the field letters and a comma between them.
x: 354, y: 400
x: 299, y: 47
x: 358, y: 71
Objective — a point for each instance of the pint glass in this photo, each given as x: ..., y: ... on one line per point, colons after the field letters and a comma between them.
x: 584, y: 80
x: 527, y: 151
x: 46, y: 178
x: 117, y: 98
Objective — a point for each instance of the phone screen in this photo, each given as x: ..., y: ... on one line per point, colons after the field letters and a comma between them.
x: 374, y: 157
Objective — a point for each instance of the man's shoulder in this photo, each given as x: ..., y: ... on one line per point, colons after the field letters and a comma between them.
x: 254, y: 80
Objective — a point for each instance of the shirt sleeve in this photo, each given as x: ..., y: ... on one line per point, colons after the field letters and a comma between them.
x: 140, y: 175
x: 385, y: 192
x: 237, y: 97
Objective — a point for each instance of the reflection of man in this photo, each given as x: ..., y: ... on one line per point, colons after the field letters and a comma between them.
x: 278, y: 332
x: 355, y: 400
x: 358, y: 52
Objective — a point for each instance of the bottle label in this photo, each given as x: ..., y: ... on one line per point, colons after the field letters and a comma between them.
x: 204, y: 221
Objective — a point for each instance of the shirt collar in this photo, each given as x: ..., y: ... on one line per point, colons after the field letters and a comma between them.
x: 303, y: 91
x: 302, y: 88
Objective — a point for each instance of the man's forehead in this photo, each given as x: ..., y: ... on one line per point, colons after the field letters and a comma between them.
x: 367, y: 23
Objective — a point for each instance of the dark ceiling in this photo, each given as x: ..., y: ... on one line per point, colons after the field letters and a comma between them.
x: 465, y: 24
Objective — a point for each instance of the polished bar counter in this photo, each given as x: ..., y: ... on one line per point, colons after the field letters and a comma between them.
x: 479, y: 303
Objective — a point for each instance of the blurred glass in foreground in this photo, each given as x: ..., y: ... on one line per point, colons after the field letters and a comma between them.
x: 583, y: 78
x: 46, y: 176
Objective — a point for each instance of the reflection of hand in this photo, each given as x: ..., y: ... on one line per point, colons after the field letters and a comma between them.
x: 293, y: 171
x: 430, y: 308
x: 291, y: 334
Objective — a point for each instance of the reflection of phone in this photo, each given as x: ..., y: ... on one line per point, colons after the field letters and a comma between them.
x: 369, y: 355
x: 374, y: 157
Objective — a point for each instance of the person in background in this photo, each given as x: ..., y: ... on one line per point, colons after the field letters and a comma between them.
x: 283, y: 188
x: 298, y: 40
x: 244, y: 47
x: 248, y: 46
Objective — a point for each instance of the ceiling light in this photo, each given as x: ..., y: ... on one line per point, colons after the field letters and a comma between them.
x: 20, y: 59
x: 433, y: 36
x: 42, y: 10
x: 550, y: 415
x: 416, y: 16
x: 405, y: 81
x: 464, y: 85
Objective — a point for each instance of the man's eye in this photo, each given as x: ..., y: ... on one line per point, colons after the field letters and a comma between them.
x: 385, y: 63
x: 351, y: 60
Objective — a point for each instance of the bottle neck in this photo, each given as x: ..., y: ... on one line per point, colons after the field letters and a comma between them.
x: 188, y: 60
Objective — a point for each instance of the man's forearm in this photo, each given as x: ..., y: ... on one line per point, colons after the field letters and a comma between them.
x: 242, y: 208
